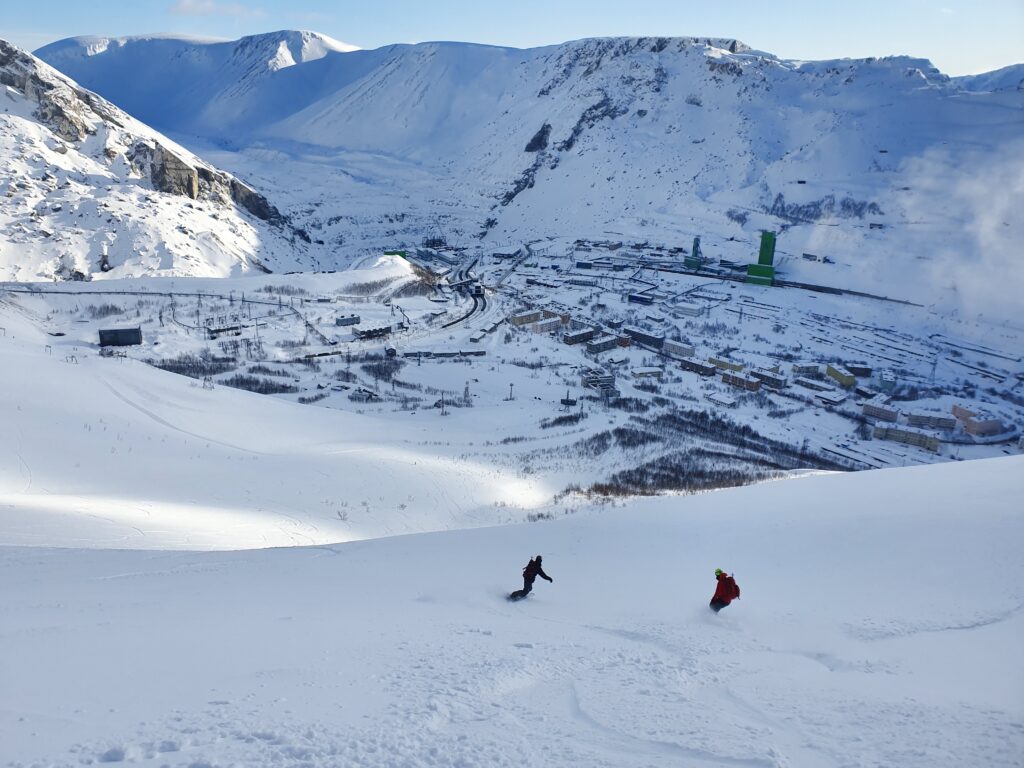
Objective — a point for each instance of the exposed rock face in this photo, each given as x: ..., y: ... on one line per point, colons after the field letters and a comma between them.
x: 73, y: 114
x: 255, y: 203
x: 56, y: 105
x: 88, y: 191
x: 173, y: 175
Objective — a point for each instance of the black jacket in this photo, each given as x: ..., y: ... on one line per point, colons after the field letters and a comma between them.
x: 533, y: 570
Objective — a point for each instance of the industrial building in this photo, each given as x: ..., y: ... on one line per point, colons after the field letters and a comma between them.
x: 741, y: 380
x: 677, y: 348
x: 688, y: 309
x: 720, y: 399
x: 831, y: 398
x: 978, y: 423
x: 640, y: 298
x: 644, y: 337
x: 984, y: 425
x: 581, y: 336
x: 525, y: 318
x: 878, y: 408
x: 962, y: 412
x: 859, y: 369
x: 840, y: 374
x: 697, y: 366
x: 725, y: 364
x: 763, y: 273
x: 887, y: 381
x: 931, y: 420
x: 547, y: 326
x: 908, y: 436
x: 363, y: 395
x: 603, y: 382
x: 347, y: 320
x: 695, y: 259
x: 647, y: 372
x: 817, y: 386
x: 371, y: 333
x: 120, y: 337
x: 772, y: 379
x: 602, y: 344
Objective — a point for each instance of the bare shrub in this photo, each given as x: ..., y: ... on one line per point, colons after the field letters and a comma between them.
x: 258, y: 385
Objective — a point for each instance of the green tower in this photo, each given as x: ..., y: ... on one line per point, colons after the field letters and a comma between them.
x: 763, y: 273
x: 767, y: 254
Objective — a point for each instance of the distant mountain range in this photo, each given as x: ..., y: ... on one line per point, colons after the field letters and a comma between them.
x: 649, y: 138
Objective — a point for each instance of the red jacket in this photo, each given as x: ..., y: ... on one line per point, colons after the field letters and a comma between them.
x: 727, y: 589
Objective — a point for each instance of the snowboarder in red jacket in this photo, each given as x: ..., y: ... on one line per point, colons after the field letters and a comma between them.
x: 532, y: 570
x: 726, y: 591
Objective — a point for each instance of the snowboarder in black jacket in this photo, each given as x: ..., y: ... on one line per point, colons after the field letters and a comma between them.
x: 532, y: 570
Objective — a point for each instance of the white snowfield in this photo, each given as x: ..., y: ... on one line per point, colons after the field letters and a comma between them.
x: 879, y: 625
x: 114, y: 453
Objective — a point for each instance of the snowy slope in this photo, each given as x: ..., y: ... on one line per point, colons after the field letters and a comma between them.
x: 879, y: 164
x: 180, y: 83
x: 1009, y: 78
x: 151, y: 460
x: 879, y: 625
x: 90, y: 191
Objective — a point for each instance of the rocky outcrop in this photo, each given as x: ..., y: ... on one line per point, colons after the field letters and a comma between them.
x: 255, y: 203
x: 173, y: 175
x: 56, y: 106
x: 540, y: 139
x: 73, y: 114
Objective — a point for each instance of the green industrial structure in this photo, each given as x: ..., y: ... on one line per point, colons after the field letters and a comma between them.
x: 763, y: 273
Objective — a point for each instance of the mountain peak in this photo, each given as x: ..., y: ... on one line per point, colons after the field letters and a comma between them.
x: 91, y: 190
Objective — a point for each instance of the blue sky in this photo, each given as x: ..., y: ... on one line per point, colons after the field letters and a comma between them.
x: 959, y: 36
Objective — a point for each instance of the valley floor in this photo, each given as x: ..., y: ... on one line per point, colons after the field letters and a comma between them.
x: 879, y: 626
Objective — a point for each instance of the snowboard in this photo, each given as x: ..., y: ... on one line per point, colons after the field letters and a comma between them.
x: 517, y: 595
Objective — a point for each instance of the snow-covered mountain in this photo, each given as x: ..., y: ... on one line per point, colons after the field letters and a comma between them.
x: 650, y: 138
x: 209, y: 87
x: 1009, y: 78
x: 89, y: 190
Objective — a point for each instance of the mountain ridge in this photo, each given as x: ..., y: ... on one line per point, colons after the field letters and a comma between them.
x: 105, y: 153
x: 652, y: 139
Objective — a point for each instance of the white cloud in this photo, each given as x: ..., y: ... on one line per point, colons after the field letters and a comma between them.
x: 978, y: 268
x: 211, y: 8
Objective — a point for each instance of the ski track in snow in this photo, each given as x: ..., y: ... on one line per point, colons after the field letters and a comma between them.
x: 474, y: 695
x: 164, y: 423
